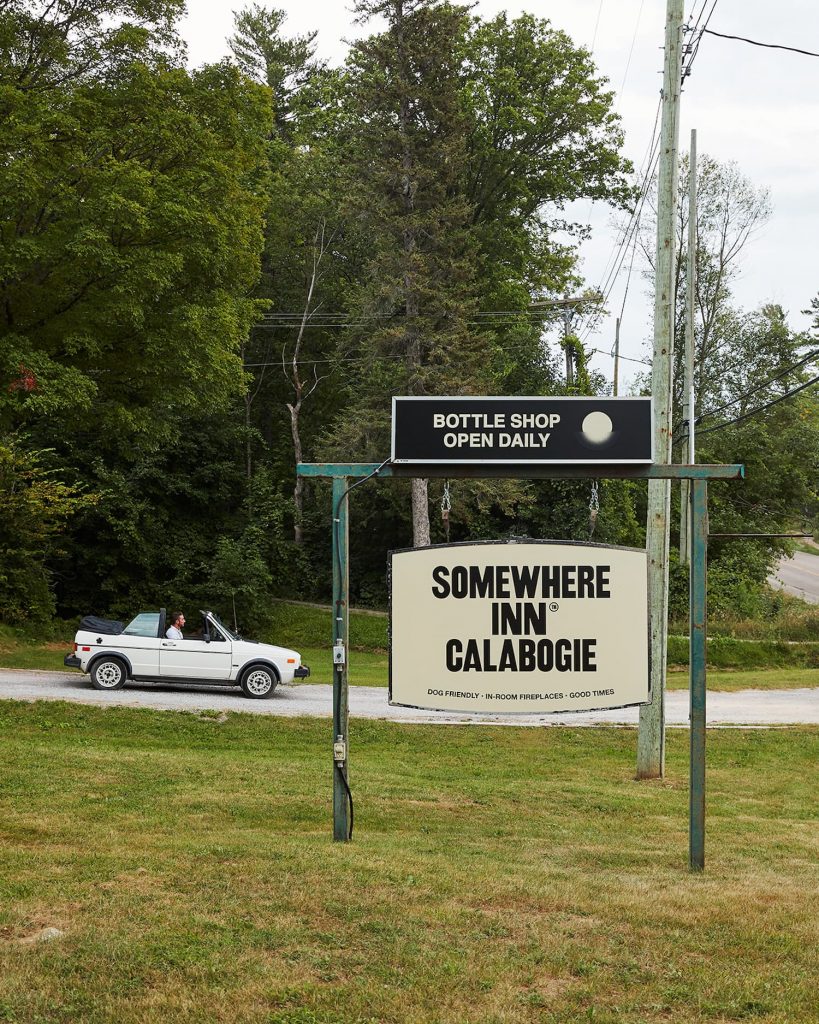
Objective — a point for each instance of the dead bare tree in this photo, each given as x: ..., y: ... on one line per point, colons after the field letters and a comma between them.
x: 291, y: 366
x: 730, y: 211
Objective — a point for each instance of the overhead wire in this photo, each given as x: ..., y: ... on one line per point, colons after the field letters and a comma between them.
x: 710, y: 413
x: 754, y: 412
x: 696, y: 34
x: 813, y: 354
x: 756, y: 42
x: 630, y: 236
x: 613, y: 255
x: 630, y: 54
x: 596, y: 25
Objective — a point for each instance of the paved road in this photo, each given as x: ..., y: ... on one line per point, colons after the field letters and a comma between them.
x: 747, y: 707
x: 799, y: 576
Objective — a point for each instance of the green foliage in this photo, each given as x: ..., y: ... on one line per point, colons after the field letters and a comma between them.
x: 131, y: 234
x: 305, y: 625
x: 407, y: 156
x: 744, y: 655
x: 239, y: 574
x: 246, y: 570
x: 207, y: 275
x: 34, y: 508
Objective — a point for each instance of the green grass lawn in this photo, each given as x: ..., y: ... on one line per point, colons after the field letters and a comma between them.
x: 760, y: 679
x: 497, y: 875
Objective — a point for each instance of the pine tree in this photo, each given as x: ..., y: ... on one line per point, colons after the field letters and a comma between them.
x: 408, y: 149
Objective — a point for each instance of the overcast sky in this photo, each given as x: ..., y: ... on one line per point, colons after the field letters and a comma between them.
x: 759, y: 107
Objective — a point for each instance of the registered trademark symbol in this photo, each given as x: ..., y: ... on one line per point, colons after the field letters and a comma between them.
x: 553, y: 606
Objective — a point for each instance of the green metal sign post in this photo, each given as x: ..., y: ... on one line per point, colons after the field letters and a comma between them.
x: 699, y: 475
x: 342, y: 826
x: 697, y: 672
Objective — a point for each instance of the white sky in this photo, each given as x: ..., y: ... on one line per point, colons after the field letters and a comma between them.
x: 756, y: 106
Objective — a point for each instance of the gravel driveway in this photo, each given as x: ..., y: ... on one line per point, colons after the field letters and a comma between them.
x: 746, y: 707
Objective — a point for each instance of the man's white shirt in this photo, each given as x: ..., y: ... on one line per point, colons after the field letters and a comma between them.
x: 173, y: 633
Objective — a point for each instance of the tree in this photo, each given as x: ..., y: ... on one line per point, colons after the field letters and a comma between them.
x: 132, y: 196
x: 286, y: 65
x: 730, y: 211
x: 34, y: 509
x: 131, y: 234
x: 743, y: 360
x: 542, y: 134
x: 407, y: 155
x: 49, y: 46
x: 300, y: 264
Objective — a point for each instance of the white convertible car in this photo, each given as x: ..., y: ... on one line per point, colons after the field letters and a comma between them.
x: 112, y: 653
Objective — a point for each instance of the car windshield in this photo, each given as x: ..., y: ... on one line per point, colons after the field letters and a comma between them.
x: 228, y: 632
x: 145, y: 624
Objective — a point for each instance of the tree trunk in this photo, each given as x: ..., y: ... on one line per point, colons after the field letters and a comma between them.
x: 298, y: 490
x: 248, y: 403
x: 420, y: 513
x: 412, y: 338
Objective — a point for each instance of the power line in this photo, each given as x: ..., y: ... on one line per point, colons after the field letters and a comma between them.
x: 596, y: 25
x: 760, y: 387
x: 630, y: 54
x: 628, y: 359
x: 755, y: 412
x: 755, y: 42
x: 630, y: 233
x: 294, y: 319
x: 343, y: 324
x: 514, y: 350
x: 694, y: 46
x: 710, y: 413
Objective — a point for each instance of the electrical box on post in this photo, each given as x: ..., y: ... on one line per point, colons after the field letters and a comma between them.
x: 338, y: 654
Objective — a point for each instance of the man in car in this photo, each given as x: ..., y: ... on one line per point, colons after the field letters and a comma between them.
x: 174, y: 631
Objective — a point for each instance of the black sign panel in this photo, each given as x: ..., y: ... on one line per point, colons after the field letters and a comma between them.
x: 519, y: 430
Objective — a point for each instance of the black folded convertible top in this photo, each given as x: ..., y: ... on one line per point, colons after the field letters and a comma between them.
x: 110, y: 627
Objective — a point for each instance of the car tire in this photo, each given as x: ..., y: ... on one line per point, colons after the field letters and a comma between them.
x: 109, y: 673
x: 258, y: 682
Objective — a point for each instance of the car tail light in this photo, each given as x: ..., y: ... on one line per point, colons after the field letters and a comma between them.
x: 86, y: 648
x: 75, y: 648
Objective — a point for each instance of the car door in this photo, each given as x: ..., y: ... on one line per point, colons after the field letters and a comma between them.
x: 139, y: 642
x: 196, y: 657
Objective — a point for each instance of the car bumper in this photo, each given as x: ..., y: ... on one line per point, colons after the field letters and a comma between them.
x: 302, y: 672
x: 72, y: 661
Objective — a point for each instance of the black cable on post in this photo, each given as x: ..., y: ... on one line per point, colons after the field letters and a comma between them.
x: 337, y: 547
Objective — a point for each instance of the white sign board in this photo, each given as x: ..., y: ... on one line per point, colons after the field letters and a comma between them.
x: 531, y: 626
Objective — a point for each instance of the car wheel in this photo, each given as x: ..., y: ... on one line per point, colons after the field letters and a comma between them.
x: 259, y: 682
x: 108, y: 674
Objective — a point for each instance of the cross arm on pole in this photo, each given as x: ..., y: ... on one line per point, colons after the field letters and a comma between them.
x: 521, y: 471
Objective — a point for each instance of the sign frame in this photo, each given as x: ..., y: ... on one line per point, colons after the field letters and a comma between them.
x: 347, y: 475
x: 573, y: 461
x: 503, y: 710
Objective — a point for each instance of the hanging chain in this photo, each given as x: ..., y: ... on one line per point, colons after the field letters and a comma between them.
x: 594, y: 508
x: 446, y: 506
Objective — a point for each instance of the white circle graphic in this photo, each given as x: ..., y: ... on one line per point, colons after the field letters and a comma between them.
x: 597, y: 427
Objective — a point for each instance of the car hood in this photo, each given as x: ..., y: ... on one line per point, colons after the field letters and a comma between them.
x: 254, y: 649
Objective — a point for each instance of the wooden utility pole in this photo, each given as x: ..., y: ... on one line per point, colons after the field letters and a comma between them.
x: 568, y: 351
x: 689, y: 414
x: 651, y: 735
x: 616, y: 357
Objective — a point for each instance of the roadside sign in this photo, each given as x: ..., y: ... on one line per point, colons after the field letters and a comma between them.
x: 524, y: 626
x: 522, y: 431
